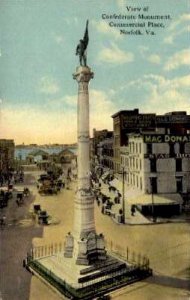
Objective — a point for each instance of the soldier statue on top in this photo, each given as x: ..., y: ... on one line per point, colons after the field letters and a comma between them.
x: 82, y: 47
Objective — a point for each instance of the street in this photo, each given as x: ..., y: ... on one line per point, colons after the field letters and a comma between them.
x: 16, y: 240
x: 166, y: 245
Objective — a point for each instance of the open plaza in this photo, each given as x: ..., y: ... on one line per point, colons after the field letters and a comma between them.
x: 166, y: 245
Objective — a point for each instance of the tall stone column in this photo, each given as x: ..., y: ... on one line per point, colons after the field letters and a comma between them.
x: 84, y: 201
x: 84, y: 244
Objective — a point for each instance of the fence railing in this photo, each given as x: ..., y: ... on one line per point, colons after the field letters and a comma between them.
x: 137, y: 269
x: 128, y: 255
x: 124, y: 253
x: 94, y: 287
x: 46, y: 250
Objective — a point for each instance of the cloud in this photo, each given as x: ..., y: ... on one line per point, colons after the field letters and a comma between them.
x: 183, y: 18
x: 101, y: 109
x: 159, y: 94
x: 59, y: 39
x: 38, y: 126
x: 70, y: 100
x: 152, y: 58
x: 103, y: 27
x: 59, y: 126
x: 175, y: 29
x: 143, y: 50
x: 114, y: 55
x: 178, y: 59
x: 48, y: 85
x: 170, y: 39
x: 181, y: 82
x: 121, y: 4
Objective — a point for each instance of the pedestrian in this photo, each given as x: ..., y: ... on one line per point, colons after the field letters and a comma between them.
x: 3, y: 220
x: 24, y: 263
x: 133, y: 209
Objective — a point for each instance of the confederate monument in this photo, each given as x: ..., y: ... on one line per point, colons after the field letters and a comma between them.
x: 84, y: 245
x: 83, y: 269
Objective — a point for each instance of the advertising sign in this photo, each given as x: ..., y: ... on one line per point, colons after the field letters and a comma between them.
x: 166, y: 138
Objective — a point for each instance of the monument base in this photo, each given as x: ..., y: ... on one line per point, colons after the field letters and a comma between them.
x: 88, y: 249
x: 86, y: 282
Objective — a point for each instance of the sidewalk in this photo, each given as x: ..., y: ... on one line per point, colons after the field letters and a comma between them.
x: 136, y: 219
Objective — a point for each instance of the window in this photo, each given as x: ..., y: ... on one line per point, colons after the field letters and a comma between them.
x: 153, y: 183
x: 153, y: 165
x: 178, y: 165
x: 133, y: 147
x: 140, y: 148
x: 182, y: 148
x: 136, y: 147
x: 177, y: 148
x: 149, y: 148
x: 140, y: 164
x: 136, y: 163
x: 179, y: 184
x: 171, y: 150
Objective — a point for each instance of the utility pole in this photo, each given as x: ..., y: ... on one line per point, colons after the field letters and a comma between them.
x: 152, y: 196
x: 123, y: 172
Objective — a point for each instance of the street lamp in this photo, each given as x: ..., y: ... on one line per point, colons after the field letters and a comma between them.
x: 123, y: 173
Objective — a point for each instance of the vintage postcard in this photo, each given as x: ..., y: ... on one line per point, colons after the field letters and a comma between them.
x: 94, y: 149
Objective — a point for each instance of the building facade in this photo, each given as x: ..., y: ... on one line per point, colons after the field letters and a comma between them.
x: 131, y: 121
x: 105, y: 153
x: 7, y: 148
x: 157, y: 163
x: 98, y: 136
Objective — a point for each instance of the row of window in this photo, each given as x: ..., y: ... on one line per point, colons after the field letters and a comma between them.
x: 135, y: 147
x: 131, y: 163
x: 134, y: 180
x: 179, y: 184
x: 178, y: 165
x: 174, y: 148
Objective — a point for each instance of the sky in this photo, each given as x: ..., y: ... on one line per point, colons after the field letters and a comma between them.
x: 38, y: 39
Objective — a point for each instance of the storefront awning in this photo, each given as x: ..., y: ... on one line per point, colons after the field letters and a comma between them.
x: 158, y: 199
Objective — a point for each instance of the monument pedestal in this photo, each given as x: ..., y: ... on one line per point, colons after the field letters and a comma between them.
x: 77, y: 281
x: 90, y: 249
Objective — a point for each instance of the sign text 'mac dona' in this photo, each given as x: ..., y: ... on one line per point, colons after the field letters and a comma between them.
x: 166, y: 138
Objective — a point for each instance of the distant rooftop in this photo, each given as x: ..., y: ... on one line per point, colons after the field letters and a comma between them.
x: 135, y: 111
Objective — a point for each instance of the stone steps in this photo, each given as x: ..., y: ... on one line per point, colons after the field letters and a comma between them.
x: 103, y: 271
x: 98, y: 265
